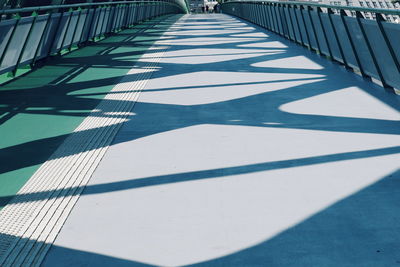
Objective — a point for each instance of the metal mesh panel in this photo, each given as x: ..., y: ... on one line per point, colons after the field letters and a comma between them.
x: 6, y: 29
x: 393, y: 33
x: 69, y: 34
x: 16, y: 44
x: 48, y: 36
x: 382, y: 53
x: 362, y: 49
x: 60, y: 33
x: 34, y: 39
x: 79, y: 28
x: 310, y: 30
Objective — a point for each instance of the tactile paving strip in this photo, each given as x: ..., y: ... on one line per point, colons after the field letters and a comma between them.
x: 30, y: 223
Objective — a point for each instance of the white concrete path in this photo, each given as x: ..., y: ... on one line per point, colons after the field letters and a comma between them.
x: 243, y: 150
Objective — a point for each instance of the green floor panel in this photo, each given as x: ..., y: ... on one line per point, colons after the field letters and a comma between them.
x: 40, y: 109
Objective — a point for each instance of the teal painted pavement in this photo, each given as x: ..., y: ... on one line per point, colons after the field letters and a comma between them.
x: 39, y: 110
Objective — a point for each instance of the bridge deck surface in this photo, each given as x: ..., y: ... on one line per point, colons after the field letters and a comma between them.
x: 243, y: 149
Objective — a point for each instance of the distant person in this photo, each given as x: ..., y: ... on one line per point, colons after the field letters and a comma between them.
x: 217, y: 8
x: 202, y: 9
x: 207, y: 9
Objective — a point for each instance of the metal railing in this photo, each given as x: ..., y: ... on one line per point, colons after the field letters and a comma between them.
x: 342, y: 33
x: 25, y: 40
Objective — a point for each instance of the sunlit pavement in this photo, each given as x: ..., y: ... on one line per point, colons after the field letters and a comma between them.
x: 243, y: 150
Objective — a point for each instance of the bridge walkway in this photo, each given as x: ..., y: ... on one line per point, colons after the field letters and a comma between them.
x: 224, y: 145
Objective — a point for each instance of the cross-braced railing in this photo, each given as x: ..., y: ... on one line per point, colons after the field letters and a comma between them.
x: 360, y: 38
x: 30, y: 34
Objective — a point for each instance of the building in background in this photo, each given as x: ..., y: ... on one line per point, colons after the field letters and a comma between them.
x: 197, y: 5
x: 385, y: 4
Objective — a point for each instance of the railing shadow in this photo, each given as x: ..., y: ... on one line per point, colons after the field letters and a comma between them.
x: 75, y: 92
x: 70, y: 96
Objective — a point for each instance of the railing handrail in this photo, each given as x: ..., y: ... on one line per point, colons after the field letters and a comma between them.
x: 44, y: 8
x: 304, y: 3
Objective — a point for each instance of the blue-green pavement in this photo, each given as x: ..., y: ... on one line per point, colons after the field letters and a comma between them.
x: 39, y: 110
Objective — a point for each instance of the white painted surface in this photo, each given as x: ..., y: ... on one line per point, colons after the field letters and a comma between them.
x: 217, y: 164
